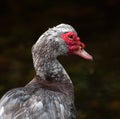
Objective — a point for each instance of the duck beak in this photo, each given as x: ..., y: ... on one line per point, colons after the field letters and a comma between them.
x: 82, y: 53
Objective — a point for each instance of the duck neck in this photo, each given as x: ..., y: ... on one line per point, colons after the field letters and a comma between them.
x: 51, y: 69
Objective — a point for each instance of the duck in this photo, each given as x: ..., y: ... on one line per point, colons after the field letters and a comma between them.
x: 50, y: 94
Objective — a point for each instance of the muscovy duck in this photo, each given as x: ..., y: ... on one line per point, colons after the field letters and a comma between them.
x: 50, y: 94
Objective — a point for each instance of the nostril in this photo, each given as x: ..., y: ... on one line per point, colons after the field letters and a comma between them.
x: 82, y: 45
x: 81, y: 48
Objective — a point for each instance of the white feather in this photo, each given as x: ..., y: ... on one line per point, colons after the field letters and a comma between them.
x: 37, y: 105
x: 1, y: 110
x: 62, y: 111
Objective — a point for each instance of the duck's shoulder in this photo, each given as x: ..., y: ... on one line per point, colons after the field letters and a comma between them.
x: 14, y: 94
x: 12, y: 102
x: 21, y: 103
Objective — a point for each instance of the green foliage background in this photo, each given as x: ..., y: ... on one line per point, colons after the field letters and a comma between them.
x: 97, y: 83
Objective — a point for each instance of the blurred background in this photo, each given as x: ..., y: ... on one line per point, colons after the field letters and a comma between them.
x: 97, y: 83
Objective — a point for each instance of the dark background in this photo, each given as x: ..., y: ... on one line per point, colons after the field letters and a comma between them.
x: 97, y: 83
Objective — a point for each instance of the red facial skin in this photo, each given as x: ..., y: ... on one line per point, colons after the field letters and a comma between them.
x: 73, y: 42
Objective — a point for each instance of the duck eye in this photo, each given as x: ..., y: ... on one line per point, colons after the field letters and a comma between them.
x: 70, y: 37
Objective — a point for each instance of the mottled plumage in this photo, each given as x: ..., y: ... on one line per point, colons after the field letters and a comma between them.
x: 39, y: 99
x: 50, y: 94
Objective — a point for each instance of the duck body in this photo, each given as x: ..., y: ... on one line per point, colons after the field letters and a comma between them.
x: 39, y: 100
x: 50, y: 94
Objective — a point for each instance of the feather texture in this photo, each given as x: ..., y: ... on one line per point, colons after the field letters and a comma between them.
x: 38, y: 100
